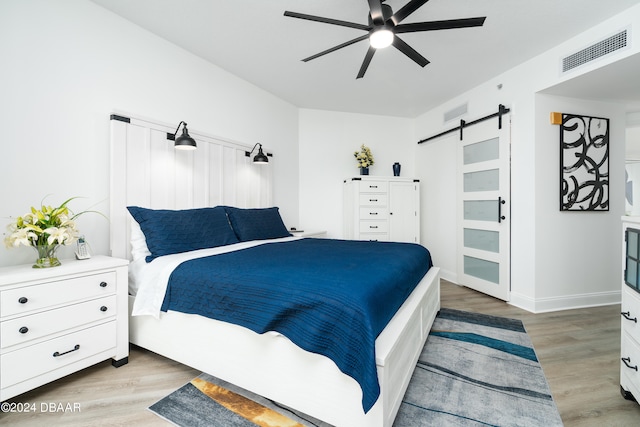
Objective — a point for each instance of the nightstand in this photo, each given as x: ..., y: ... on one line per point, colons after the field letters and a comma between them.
x: 56, y: 321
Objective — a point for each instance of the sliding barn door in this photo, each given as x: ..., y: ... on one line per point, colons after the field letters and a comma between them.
x: 483, y: 224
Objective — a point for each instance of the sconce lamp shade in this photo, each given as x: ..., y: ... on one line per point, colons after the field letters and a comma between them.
x: 260, y: 158
x: 184, y: 141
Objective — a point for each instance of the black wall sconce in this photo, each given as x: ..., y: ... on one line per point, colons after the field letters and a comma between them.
x: 184, y: 141
x: 260, y: 158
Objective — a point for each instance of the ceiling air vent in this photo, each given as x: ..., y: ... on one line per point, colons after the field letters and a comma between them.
x: 595, y: 51
x: 454, y: 113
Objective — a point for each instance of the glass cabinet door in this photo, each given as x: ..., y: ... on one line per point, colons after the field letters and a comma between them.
x: 632, y: 256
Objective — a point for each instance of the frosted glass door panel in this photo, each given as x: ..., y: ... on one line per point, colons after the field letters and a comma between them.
x: 482, y: 269
x: 481, y: 210
x: 487, y: 180
x: 481, y: 151
x: 632, y: 275
x: 632, y: 244
x: 484, y: 240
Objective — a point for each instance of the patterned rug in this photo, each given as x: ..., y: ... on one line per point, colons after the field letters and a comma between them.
x: 475, y: 370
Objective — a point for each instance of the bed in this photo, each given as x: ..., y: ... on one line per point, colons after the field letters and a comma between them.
x: 266, y: 363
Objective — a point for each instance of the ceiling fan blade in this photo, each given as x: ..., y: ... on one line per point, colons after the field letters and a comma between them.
x: 375, y: 8
x: 366, y: 62
x: 327, y: 20
x: 340, y: 46
x: 440, y: 25
x: 410, y: 52
x: 407, y: 10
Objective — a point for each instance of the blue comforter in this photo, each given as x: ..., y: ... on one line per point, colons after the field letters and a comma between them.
x: 331, y: 297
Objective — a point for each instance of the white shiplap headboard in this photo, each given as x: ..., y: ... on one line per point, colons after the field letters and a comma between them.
x: 147, y: 171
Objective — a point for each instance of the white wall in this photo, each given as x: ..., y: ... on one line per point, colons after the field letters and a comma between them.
x: 66, y: 65
x: 577, y: 253
x: 327, y: 142
x: 535, y: 286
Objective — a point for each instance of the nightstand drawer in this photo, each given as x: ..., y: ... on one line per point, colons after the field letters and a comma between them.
x: 29, y: 328
x: 30, y: 362
x: 373, y: 199
x: 29, y: 298
x: 370, y: 212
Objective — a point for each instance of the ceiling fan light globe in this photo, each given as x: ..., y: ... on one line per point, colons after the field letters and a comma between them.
x: 381, y: 38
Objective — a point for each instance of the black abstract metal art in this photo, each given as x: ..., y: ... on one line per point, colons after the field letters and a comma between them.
x: 584, y: 163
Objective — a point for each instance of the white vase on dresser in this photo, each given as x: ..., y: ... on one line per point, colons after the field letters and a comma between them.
x: 58, y: 320
x: 382, y: 208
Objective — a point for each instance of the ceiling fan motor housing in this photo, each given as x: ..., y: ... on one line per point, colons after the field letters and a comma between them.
x: 387, y: 13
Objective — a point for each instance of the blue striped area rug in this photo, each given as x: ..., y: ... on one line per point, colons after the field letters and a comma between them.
x: 475, y: 370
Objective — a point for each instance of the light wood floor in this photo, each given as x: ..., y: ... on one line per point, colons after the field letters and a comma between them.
x: 579, y: 351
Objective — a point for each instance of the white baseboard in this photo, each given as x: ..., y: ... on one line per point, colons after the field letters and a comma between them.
x: 565, y: 302
x: 543, y: 305
x: 449, y: 276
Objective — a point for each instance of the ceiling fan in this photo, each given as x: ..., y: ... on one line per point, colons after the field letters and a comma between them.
x: 383, y: 29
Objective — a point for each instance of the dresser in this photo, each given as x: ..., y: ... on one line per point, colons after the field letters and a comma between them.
x: 56, y: 321
x: 382, y: 208
x: 630, y: 309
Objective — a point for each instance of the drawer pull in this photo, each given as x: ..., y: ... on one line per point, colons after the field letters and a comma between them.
x: 103, y: 308
x: 58, y: 354
x: 373, y: 200
x: 627, y: 315
x: 373, y: 213
x: 23, y: 300
x: 103, y: 284
x: 626, y: 361
x: 23, y: 330
x: 373, y: 186
x: 373, y: 226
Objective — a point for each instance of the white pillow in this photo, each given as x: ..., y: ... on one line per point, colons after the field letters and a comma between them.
x: 139, y: 247
x: 139, y: 252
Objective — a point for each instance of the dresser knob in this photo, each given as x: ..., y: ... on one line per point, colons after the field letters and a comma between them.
x: 23, y: 330
x: 103, y: 284
x: 103, y: 308
x: 23, y: 300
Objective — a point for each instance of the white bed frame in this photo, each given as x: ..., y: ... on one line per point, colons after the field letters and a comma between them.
x: 268, y: 364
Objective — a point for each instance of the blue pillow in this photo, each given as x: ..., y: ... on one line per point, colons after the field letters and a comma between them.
x: 257, y: 224
x: 171, y: 232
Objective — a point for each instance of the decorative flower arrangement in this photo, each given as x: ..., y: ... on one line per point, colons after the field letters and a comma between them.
x: 45, y: 230
x: 364, y: 157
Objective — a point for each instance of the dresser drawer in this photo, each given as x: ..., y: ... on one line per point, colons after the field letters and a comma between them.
x: 370, y: 212
x: 31, y: 327
x: 51, y: 294
x: 373, y: 187
x: 38, y: 359
x: 630, y: 360
x: 375, y: 237
x: 374, y: 226
x: 630, y: 309
x: 374, y: 200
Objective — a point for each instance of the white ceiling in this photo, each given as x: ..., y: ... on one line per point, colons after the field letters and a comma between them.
x: 254, y: 41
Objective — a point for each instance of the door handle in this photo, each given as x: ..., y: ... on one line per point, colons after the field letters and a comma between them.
x: 500, y: 203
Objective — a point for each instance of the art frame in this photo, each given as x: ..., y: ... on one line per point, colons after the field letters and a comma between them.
x: 584, y: 163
